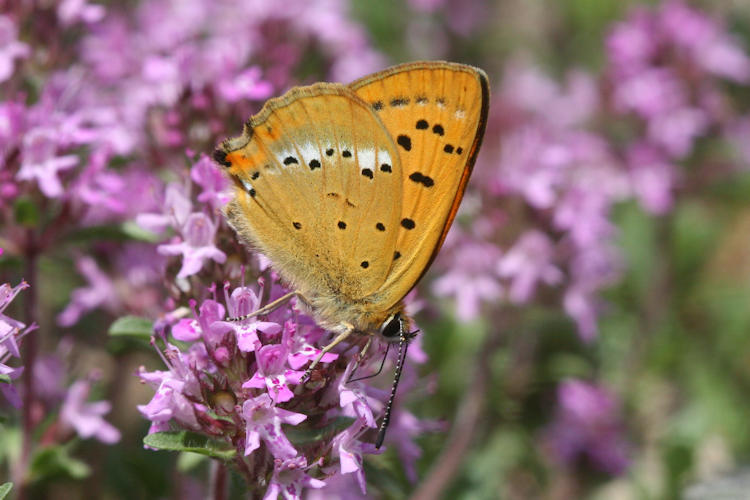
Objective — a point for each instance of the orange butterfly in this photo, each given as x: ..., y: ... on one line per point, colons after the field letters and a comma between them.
x: 350, y: 189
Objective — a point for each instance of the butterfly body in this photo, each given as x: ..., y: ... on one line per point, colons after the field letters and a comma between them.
x: 350, y: 189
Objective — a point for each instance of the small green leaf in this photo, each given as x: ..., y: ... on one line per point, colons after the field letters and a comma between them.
x: 188, y: 461
x: 301, y: 437
x: 5, y: 379
x: 5, y: 489
x: 55, y: 461
x: 190, y: 441
x: 136, y: 232
x: 25, y: 212
x: 131, y: 326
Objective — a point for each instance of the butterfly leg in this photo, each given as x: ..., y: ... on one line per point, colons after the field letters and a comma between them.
x: 341, y: 336
x: 268, y: 307
x: 360, y: 357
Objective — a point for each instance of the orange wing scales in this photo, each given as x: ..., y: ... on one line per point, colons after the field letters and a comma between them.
x: 309, y: 194
x: 436, y: 113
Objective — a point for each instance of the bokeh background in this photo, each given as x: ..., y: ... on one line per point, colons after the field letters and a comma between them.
x: 586, y: 326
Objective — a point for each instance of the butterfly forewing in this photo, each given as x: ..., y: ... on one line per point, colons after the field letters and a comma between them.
x: 313, y: 193
x: 436, y: 114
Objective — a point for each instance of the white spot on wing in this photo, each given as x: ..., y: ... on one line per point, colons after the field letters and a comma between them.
x: 247, y: 185
x: 309, y: 152
x: 366, y: 158
x: 384, y: 157
x: 283, y: 155
x: 460, y: 114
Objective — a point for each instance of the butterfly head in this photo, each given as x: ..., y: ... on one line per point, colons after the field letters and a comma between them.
x: 394, y: 327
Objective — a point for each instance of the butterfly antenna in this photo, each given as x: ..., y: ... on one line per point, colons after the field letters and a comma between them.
x: 382, y: 363
x: 403, y: 345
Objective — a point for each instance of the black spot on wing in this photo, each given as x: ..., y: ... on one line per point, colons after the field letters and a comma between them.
x: 364, y: 264
x: 398, y: 102
x: 396, y: 255
x: 385, y: 168
x: 438, y: 129
x: 404, y: 141
x: 407, y: 223
x: 421, y: 99
x: 367, y: 173
x: 459, y: 151
x: 422, y: 179
x: 220, y: 157
x: 297, y: 225
x: 346, y: 153
x: 255, y: 175
x: 448, y: 148
x: 329, y: 152
x: 341, y: 224
x: 377, y: 105
x: 314, y: 164
x: 290, y: 160
x: 422, y: 124
x: 380, y: 226
x: 251, y: 192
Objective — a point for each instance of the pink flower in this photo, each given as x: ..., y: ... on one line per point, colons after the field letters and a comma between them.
x: 40, y: 161
x: 289, y: 479
x: 197, y: 246
x: 588, y: 423
x: 245, y: 85
x: 349, y: 450
x: 471, y: 278
x: 528, y: 262
x: 272, y: 373
x: 99, y: 292
x: 10, y: 47
x: 243, y: 301
x: 86, y: 418
x: 213, y: 181
x: 263, y: 421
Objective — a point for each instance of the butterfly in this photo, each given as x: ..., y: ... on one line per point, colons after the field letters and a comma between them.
x: 350, y: 190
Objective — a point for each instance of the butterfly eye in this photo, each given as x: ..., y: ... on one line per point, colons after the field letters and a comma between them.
x: 391, y: 329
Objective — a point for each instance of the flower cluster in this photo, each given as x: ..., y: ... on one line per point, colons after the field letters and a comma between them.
x: 239, y: 382
x: 662, y: 92
x: 587, y: 425
x: 667, y: 68
x: 11, y: 333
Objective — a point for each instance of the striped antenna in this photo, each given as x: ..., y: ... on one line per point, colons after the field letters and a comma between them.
x: 403, y: 345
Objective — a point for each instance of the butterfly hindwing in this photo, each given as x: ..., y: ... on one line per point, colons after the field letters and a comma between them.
x: 318, y: 190
x: 436, y: 113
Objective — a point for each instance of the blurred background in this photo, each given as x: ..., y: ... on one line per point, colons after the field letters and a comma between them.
x: 586, y: 326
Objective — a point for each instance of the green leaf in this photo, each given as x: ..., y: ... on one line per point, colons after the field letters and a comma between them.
x: 190, y: 441
x: 136, y: 232
x: 25, y: 212
x: 300, y: 436
x: 131, y: 326
x: 5, y: 379
x: 56, y: 462
x: 5, y: 489
x: 188, y: 461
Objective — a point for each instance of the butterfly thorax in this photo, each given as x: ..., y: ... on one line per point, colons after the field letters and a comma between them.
x: 337, y: 315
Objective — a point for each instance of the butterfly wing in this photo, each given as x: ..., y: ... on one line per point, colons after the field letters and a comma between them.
x: 318, y: 190
x: 436, y: 113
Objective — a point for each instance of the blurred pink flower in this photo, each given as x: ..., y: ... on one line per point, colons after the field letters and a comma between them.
x: 86, y: 418
x: 470, y: 278
x: 197, y: 247
x: 588, y: 424
x: 10, y: 48
x: 528, y: 262
x: 100, y: 292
